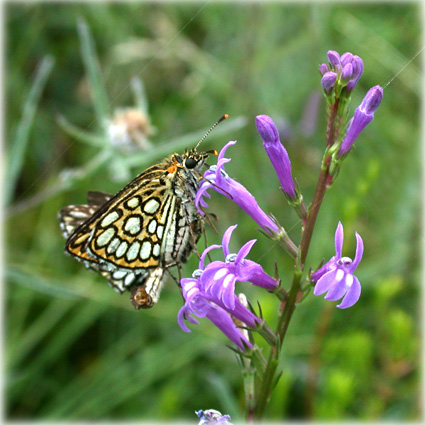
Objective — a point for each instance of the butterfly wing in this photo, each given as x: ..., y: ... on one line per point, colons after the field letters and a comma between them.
x: 73, y: 216
x: 127, y: 231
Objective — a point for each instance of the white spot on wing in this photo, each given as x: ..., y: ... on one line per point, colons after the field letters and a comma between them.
x: 129, y: 279
x: 119, y: 275
x: 160, y: 231
x: 105, y: 237
x: 156, y: 249
x: 145, y: 251
x: 109, y: 219
x: 132, y: 225
x: 152, y: 226
x: 121, y: 249
x: 151, y: 206
x: 133, y: 251
x: 133, y: 202
x: 113, y: 245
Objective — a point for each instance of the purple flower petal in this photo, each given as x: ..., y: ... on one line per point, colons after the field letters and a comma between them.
x: 227, y: 291
x: 207, y: 277
x: 336, y: 276
x: 338, y: 290
x: 225, y: 147
x: 339, y: 240
x: 184, y: 313
x: 325, y: 282
x: 223, y: 321
x: 205, y: 253
x: 254, y: 273
x: 331, y: 264
x: 353, y: 294
x: 233, y: 190
x: 226, y: 239
x: 359, y: 253
x: 244, y: 251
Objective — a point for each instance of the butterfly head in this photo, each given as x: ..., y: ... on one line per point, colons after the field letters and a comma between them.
x: 192, y: 160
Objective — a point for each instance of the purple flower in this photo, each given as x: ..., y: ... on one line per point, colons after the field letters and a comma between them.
x: 201, y: 305
x: 217, y: 179
x: 211, y: 417
x: 219, y: 278
x: 336, y: 276
x: 363, y: 115
x: 328, y: 81
x: 210, y: 292
x: 276, y: 152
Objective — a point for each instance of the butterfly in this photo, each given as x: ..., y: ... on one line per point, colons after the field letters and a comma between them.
x: 133, y: 237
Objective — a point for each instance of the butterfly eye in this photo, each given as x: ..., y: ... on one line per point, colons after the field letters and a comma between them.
x: 190, y: 163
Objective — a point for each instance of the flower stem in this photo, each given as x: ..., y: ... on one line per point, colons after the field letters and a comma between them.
x: 284, y: 319
x: 322, y: 184
x: 313, y: 213
x: 265, y: 389
x: 249, y: 387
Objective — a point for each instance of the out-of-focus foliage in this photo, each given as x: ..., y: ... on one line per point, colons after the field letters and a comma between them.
x: 76, y: 350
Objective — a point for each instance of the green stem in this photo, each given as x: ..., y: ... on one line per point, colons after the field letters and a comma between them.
x: 264, y: 392
x: 249, y: 389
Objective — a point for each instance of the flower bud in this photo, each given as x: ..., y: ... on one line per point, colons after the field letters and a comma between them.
x: 333, y: 58
x: 358, y: 66
x: 328, y: 81
x: 346, y: 58
x: 276, y: 152
x: 323, y: 68
x: 372, y: 100
x: 347, y: 72
x: 363, y: 115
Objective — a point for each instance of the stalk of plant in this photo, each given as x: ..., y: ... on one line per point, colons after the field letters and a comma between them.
x: 210, y: 292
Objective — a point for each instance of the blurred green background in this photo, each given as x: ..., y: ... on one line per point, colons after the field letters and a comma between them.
x: 74, y: 349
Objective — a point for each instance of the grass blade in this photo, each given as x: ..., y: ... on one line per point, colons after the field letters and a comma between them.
x: 94, y: 75
x: 20, y: 141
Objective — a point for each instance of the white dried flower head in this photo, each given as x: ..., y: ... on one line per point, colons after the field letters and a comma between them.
x: 130, y: 129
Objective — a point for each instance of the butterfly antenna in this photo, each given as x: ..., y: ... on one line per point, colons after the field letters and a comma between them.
x: 225, y: 116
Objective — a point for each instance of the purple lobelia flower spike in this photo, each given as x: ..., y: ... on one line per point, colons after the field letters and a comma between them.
x: 336, y: 276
